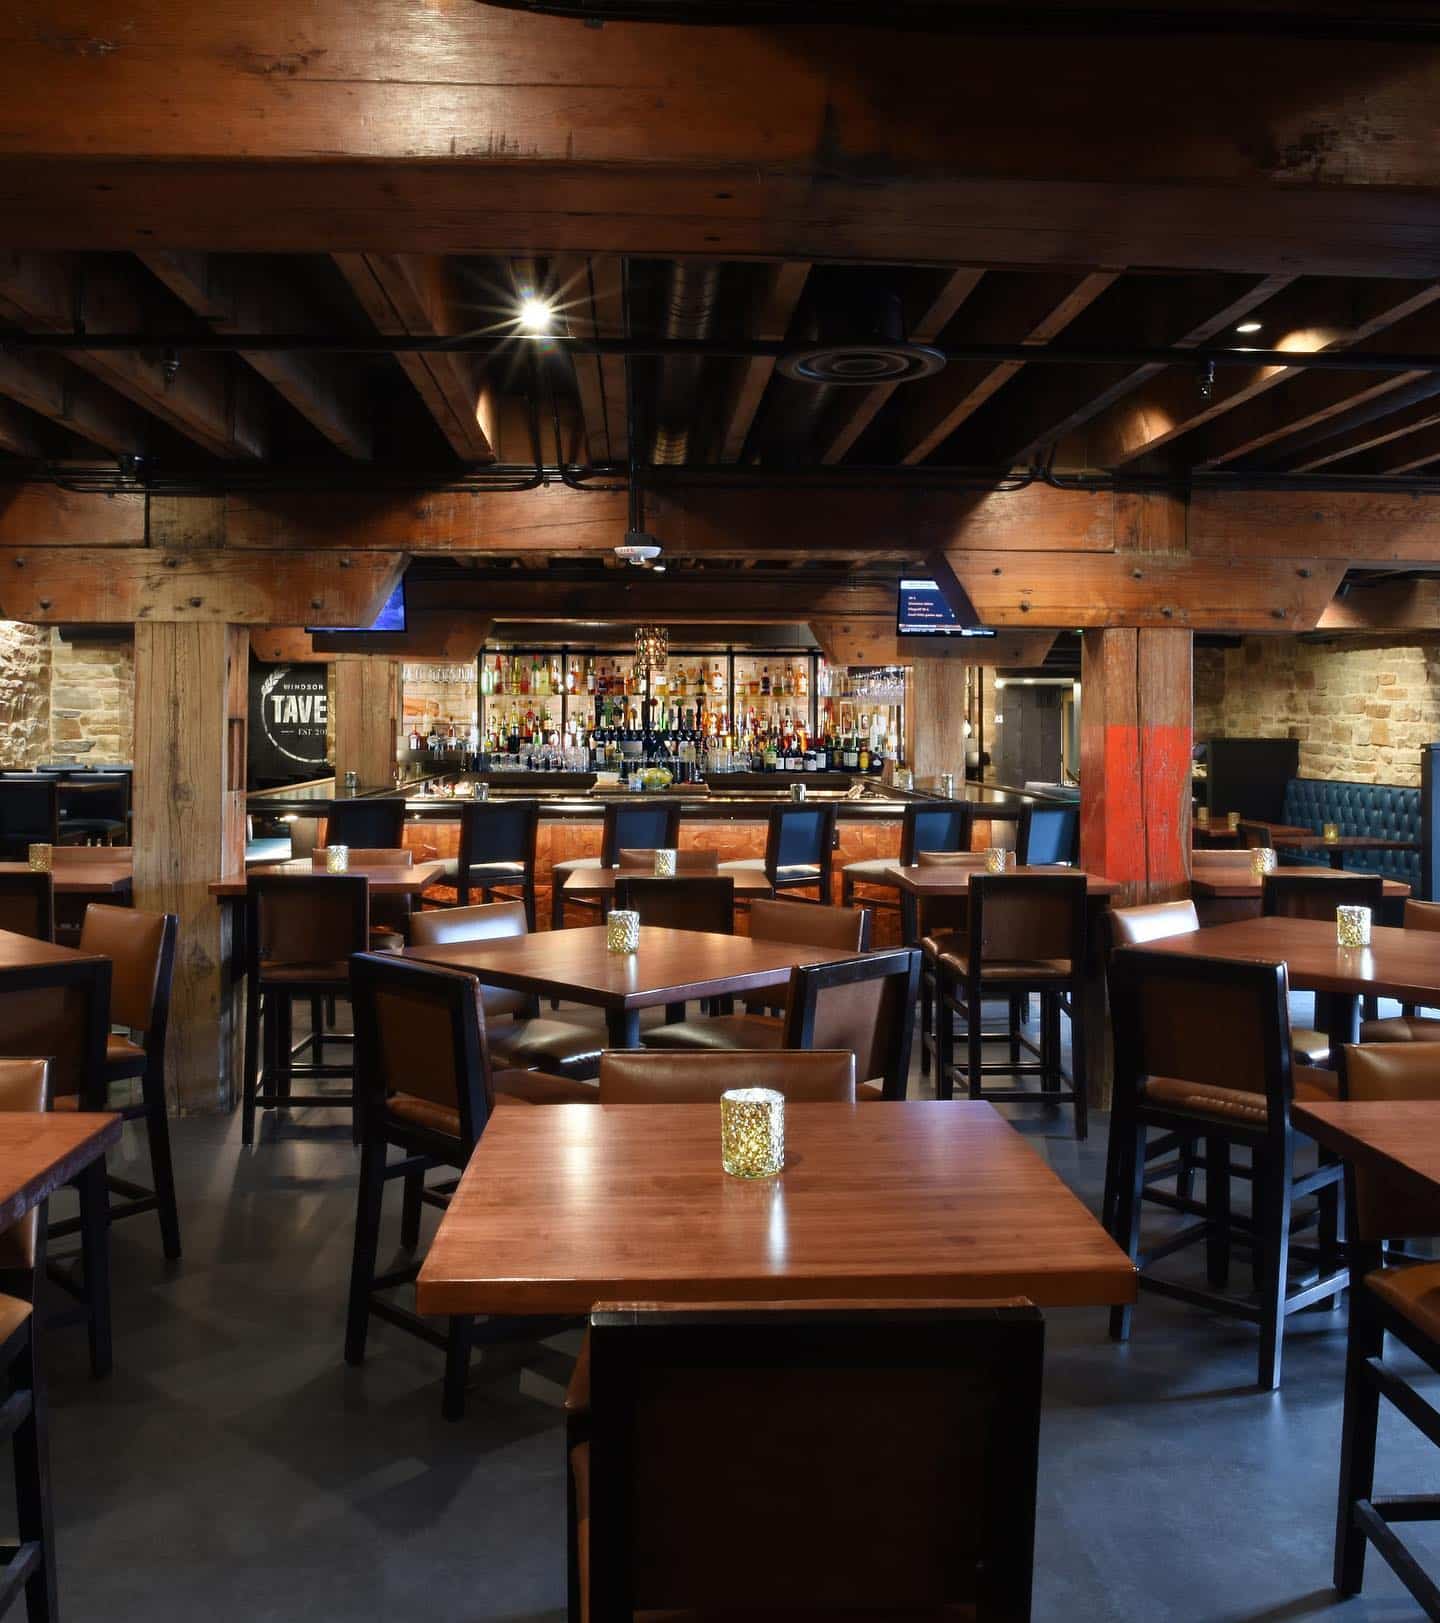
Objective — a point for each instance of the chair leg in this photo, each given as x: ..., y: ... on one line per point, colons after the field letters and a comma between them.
x: 252, y: 1061
x: 1330, y: 1201
x: 927, y: 1017
x: 944, y: 1042
x: 1185, y: 1169
x: 1358, y: 1431
x: 1019, y: 1009
x: 1217, y: 1211
x: 317, y: 1029
x: 1079, y: 1066
x: 1130, y: 1180
x: 162, y: 1170
x: 34, y: 1517
x: 284, y: 1039
x: 974, y: 1045
x: 370, y: 1199
x: 457, y: 1365
x: 95, y: 1262
x: 410, y: 1209
x: 1272, y: 1237
x: 527, y: 895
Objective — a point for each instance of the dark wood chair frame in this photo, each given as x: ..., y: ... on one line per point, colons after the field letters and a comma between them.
x: 1275, y: 1188
x: 1346, y: 890
x: 998, y: 1349
x: 775, y: 839
x: 808, y: 981
x: 105, y: 828
x: 46, y: 831
x: 965, y: 998
x: 270, y: 1068
x: 610, y: 846
x: 711, y: 896
x: 473, y: 816
x: 386, y: 814
x: 1022, y: 838
x: 40, y: 889
x: 963, y: 812
x: 423, y: 1149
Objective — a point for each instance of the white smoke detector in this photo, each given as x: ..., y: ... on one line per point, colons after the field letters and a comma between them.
x: 638, y: 548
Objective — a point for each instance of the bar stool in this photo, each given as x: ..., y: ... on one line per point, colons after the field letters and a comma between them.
x: 1048, y: 834
x: 1297, y: 894
x: 799, y: 851
x: 301, y: 932
x: 640, y: 860
x: 640, y: 823
x: 923, y: 827
x: 497, y: 852
x: 692, y: 902
x: 389, y: 915
x: 1409, y: 1027
x: 378, y: 823
x: 641, y: 1076
x: 941, y: 924
x: 27, y: 904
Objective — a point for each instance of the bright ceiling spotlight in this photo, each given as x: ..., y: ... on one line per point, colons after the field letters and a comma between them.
x: 535, y: 317
x: 1248, y: 326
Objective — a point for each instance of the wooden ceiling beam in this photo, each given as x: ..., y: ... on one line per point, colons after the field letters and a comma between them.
x: 207, y: 397
x: 637, y: 594
x: 1401, y: 605
x: 1028, y: 309
x: 873, y: 642
x: 415, y: 294
x: 46, y: 385
x: 428, y: 635
x: 769, y: 318
x: 1367, y: 432
x: 590, y: 292
x: 17, y: 431
x: 232, y: 296
x: 386, y: 127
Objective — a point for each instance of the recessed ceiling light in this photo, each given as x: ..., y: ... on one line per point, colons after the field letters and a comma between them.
x: 535, y: 316
x: 1248, y: 326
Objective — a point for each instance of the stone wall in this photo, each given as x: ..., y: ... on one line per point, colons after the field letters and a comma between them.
x: 24, y: 694
x: 62, y: 700
x: 1361, y: 711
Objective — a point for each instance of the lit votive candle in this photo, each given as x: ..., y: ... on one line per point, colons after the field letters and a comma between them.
x: 664, y: 863
x: 1202, y: 815
x: 622, y: 931
x: 1262, y: 861
x: 1232, y: 820
x: 797, y: 791
x: 947, y: 785
x: 752, y: 1132
x: 904, y: 778
x: 482, y: 791
x: 1352, y: 926
x: 994, y: 859
x: 1330, y: 833
x: 337, y: 859
x: 41, y: 858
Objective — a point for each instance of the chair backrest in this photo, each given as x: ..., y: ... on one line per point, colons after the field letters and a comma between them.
x: 641, y: 859
x: 419, y: 1030
x: 60, y: 1012
x: 1048, y: 834
x: 638, y: 822
x: 776, y: 1412
x: 1207, y: 861
x: 499, y: 831
x: 1389, y: 1208
x: 1422, y: 915
x: 27, y: 904
x: 1026, y: 916
x: 944, y: 827
x: 368, y: 856
x: 305, y: 918
x: 24, y: 1087
x: 102, y: 796
x: 1255, y: 836
x: 1134, y: 926
x: 1219, y: 1022
x: 642, y: 1076
x: 864, y: 1004
x: 801, y: 836
x: 1317, y: 895
x: 376, y: 823
x: 29, y: 815
x: 949, y: 859
x: 494, y: 920
x: 696, y: 902
x: 847, y: 929
x: 141, y: 949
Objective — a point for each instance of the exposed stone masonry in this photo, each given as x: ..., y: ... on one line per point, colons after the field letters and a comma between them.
x: 61, y: 699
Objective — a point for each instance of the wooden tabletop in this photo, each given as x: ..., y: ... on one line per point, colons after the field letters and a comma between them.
x: 1344, y: 842
x: 955, y: 881
x: 384, y: 880
x: 1239, y: 881
x: 601, y: 881
x: 40, y: 1152
x: 25, y: 952
x: 568, y: 1205
x: 83, y: 878
x: 672, y: 966
x: 1399, y: 1137
x: 1403, y: 964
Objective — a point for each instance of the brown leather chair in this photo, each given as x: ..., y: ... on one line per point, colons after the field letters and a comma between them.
x: 27, y: 904
x: 524, y: 1041
x: 1408, y: 1027
x: 300, y: 933
x: 1024, y: 934
x: 1202, y: 1048
x: 641, y: 859
x: 30, y: 1564
x: 686, y: 902
x: 638, y: 822
x: 935, y: 1404
x: 389, y: 915
x: 496, y: 855
x: 846, y: 929
x: 799, y: 850
x: 636, y: 1076
x: 1316, y: 895
x: 141, y: 949
x: 424, y: 1083
x: 1208, y: 861
x: 941, y: 927
x: 1254, y: 836
x: 1403, y: 1300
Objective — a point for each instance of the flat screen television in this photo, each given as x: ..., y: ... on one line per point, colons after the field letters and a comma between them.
x: 923, y: 612
x: 391, y: 617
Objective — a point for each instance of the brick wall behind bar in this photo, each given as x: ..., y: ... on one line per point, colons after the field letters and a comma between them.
x: 1361, y: 711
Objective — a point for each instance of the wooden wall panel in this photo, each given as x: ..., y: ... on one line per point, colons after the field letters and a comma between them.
x: 367, y: 704
x: 938, y: 703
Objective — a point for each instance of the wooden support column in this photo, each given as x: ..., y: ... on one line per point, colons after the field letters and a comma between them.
x: 937, y: 706
x: 190, y: 720
x: 367, y: 707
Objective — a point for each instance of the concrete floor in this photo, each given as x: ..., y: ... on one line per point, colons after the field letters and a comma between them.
x: 233, y: 1469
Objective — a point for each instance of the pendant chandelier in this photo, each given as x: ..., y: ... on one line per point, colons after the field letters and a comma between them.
x: 652, y: 648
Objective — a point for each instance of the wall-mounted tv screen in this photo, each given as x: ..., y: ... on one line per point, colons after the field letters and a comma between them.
x: 923, y: 612
x: 390, y: 618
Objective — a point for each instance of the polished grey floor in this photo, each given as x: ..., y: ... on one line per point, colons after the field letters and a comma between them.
x: 234, y: 1470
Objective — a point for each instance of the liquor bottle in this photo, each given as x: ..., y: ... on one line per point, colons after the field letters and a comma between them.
x: 765, y: 682
x: 717, y: 682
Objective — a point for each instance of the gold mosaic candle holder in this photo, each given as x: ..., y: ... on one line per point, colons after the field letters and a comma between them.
x: 337, y: 859
x: 482, y: 791
x: 1352, y: 926
x: 1202, y: 816
x: 947, y: 785
x: 622, y: 931
x: 994, y: 859
x: 664, y: 863
x: 41, y: 858
x: 1232, y: 820
x: 752, y: 1132
x: 1262, y: 862
x: 904, y: 778
x: 797, y: 791
x: 1330, y: 833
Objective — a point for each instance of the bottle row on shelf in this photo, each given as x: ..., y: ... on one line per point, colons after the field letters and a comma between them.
x: 601, y: 676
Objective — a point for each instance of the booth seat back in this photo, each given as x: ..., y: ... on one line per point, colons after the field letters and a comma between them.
x: 1383, y: 810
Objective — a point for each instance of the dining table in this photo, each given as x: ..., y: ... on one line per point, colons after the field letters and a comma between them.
x: 669, y: 966
x: 1223, y: 894
x: 101, y: 876
x: 1340, y: 847
x: 1402, y: 964
x: 918, y: 884
x: 601, y: 882
x: 1398, y: 1139
x: 568, y: 1205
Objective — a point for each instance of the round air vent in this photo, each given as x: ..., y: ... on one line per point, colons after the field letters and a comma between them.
x: 863, y: 365
x: 856, y: 335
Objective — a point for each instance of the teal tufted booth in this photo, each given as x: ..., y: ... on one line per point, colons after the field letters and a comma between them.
x: 1384, y: 810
